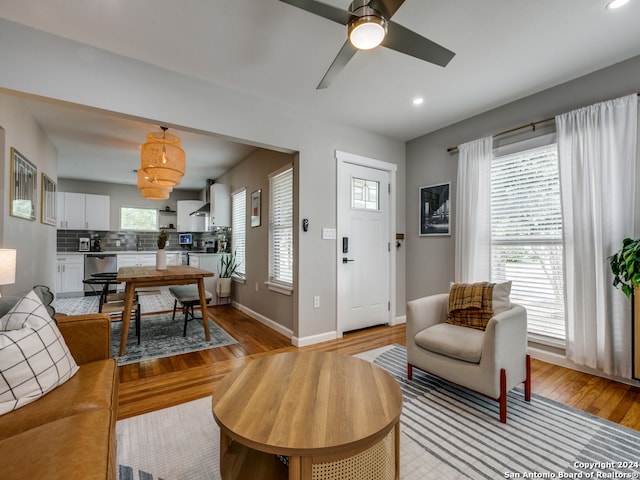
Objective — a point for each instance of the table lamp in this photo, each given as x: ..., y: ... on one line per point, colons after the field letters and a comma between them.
x: 7, y: 266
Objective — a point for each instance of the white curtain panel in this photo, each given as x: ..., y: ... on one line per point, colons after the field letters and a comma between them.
x: 597, y: 155
x: 473, y: 211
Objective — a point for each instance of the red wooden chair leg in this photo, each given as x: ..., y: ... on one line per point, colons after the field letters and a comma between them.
x: 503, y: 396
x: 527, y: 382
x: 409, y: 371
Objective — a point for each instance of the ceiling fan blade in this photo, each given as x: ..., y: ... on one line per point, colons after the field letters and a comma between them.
x: 327, y: 11
x: 403, y: 40
x: 386, y: 7
x: 344, y: 55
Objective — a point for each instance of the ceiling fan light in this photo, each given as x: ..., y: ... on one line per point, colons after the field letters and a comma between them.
x: 367, y: 32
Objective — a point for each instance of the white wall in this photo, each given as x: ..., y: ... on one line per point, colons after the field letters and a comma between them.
x: 432, y: 258
x: 35, y: 241
x: 81, y: 74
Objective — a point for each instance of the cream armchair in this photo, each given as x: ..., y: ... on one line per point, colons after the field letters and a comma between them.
x: 490, y: 362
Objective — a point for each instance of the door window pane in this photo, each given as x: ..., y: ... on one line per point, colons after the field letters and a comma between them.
x: 364, y: 194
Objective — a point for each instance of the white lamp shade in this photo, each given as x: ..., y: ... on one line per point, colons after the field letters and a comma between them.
x: 7, y: 266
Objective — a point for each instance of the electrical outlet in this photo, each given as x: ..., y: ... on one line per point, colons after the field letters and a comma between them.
x: 117, y: 243
x: 316, y: 301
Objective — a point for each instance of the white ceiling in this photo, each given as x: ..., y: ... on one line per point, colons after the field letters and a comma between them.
x: 505, y: 50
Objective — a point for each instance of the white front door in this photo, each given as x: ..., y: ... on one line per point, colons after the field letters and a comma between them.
x: 364, y: 248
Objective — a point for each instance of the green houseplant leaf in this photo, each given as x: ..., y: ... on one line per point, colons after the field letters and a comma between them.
x: 162, y: 239
x: 228, y: 265
x: 625, y: 266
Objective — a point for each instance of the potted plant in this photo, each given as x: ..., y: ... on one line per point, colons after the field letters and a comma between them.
x: 161, y: 255
x: 625, y: 266
x: 228, y: 266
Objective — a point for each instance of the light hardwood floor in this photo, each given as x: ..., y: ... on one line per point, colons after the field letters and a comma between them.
x: 156, y: 384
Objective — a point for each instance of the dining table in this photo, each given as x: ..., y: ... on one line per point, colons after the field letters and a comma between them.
x: 149, y: 276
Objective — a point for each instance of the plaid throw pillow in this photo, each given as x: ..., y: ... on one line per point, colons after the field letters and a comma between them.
x: 471, y: 304
x: 34, y: 359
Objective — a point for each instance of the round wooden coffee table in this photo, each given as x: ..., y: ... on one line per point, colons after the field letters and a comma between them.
x: 328, y: 415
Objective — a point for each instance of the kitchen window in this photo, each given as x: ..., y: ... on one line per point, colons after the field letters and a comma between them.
x: 239, y: 229
x: 526, y: 237
x: 281, y: 231
x: 137, y: 218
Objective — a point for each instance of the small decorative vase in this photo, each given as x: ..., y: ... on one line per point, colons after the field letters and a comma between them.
x: 161, y: 259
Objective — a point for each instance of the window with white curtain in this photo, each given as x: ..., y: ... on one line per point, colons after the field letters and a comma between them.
x: 281, y: 228
x: 526, y: 237
x: 239, y: 229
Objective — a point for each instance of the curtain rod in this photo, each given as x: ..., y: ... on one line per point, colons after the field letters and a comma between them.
x: 531, y: 125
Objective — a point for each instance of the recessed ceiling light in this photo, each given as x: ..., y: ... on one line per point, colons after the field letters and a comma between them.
x: 613, y: 4
x: 418, y: 101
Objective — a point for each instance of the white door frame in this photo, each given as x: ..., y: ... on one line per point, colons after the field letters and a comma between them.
x: 343, y: 158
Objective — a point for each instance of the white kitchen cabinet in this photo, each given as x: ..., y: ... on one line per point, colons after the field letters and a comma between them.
x: 69, y: 274
x: 97, y: 212
x: 136, y: 259
x: 220, y: 201
x: 173, y: 259
x: 80, y: 211
x: 186, y: 222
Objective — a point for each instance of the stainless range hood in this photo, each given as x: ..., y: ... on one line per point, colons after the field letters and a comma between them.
x: 205, y: 210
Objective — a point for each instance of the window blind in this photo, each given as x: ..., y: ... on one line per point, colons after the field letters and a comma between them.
x: 526, y: 230
x: 239, y: 229
x: 281, y: 227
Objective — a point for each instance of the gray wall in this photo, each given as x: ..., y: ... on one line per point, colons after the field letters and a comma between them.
x: 252, y: 174
x: 432, y: 258
x: 34, y: 241
x: 90, y: 77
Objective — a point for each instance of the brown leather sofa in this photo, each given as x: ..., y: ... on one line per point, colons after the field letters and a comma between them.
x: 71, y: 431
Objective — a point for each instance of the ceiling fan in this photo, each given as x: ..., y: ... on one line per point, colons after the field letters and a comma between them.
x: 369, y: 26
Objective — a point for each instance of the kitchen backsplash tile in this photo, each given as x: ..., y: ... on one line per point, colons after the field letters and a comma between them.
x: 68, y: 240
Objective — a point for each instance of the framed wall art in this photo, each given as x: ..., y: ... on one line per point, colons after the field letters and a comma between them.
x: 23, y: 191
x: 48, y: 209
x: 255, y: 208
x: 435, y: 213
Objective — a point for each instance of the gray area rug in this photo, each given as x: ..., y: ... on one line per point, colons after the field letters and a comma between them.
x: 162, y: 337
x: 159, y: 300
x: 446, y: 433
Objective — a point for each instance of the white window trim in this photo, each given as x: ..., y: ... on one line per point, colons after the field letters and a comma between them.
x: 242, y: 275
x: 273, y: 284
x: 282, y: 288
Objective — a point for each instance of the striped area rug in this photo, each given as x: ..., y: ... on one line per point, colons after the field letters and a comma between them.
x: 461, y: 437
x: 447, y: 433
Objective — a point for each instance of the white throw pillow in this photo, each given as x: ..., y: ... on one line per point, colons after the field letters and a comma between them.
x: 34, y: 359
x: 500, y: 300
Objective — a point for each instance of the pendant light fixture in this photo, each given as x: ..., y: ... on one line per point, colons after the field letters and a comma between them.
x: 150, y: 190
x: 162, y: 160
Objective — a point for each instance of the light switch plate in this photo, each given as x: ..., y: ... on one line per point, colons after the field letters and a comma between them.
x: 328, y: 233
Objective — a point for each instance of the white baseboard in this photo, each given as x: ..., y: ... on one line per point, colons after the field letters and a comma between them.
x: 563, y: 361
x: 264, y: 320
x: 313, y: 339
x: 399, y: 320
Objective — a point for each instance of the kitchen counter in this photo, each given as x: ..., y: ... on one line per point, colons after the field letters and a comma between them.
x: 120, y: 252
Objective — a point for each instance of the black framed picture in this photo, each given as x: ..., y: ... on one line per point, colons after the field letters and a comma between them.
x: 24, y: 179
x: 435, y: 213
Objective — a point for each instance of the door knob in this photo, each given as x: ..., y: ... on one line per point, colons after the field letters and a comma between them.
x: 345, y: 260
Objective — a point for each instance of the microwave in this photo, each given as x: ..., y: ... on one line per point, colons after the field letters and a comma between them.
x: 185, y: 239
